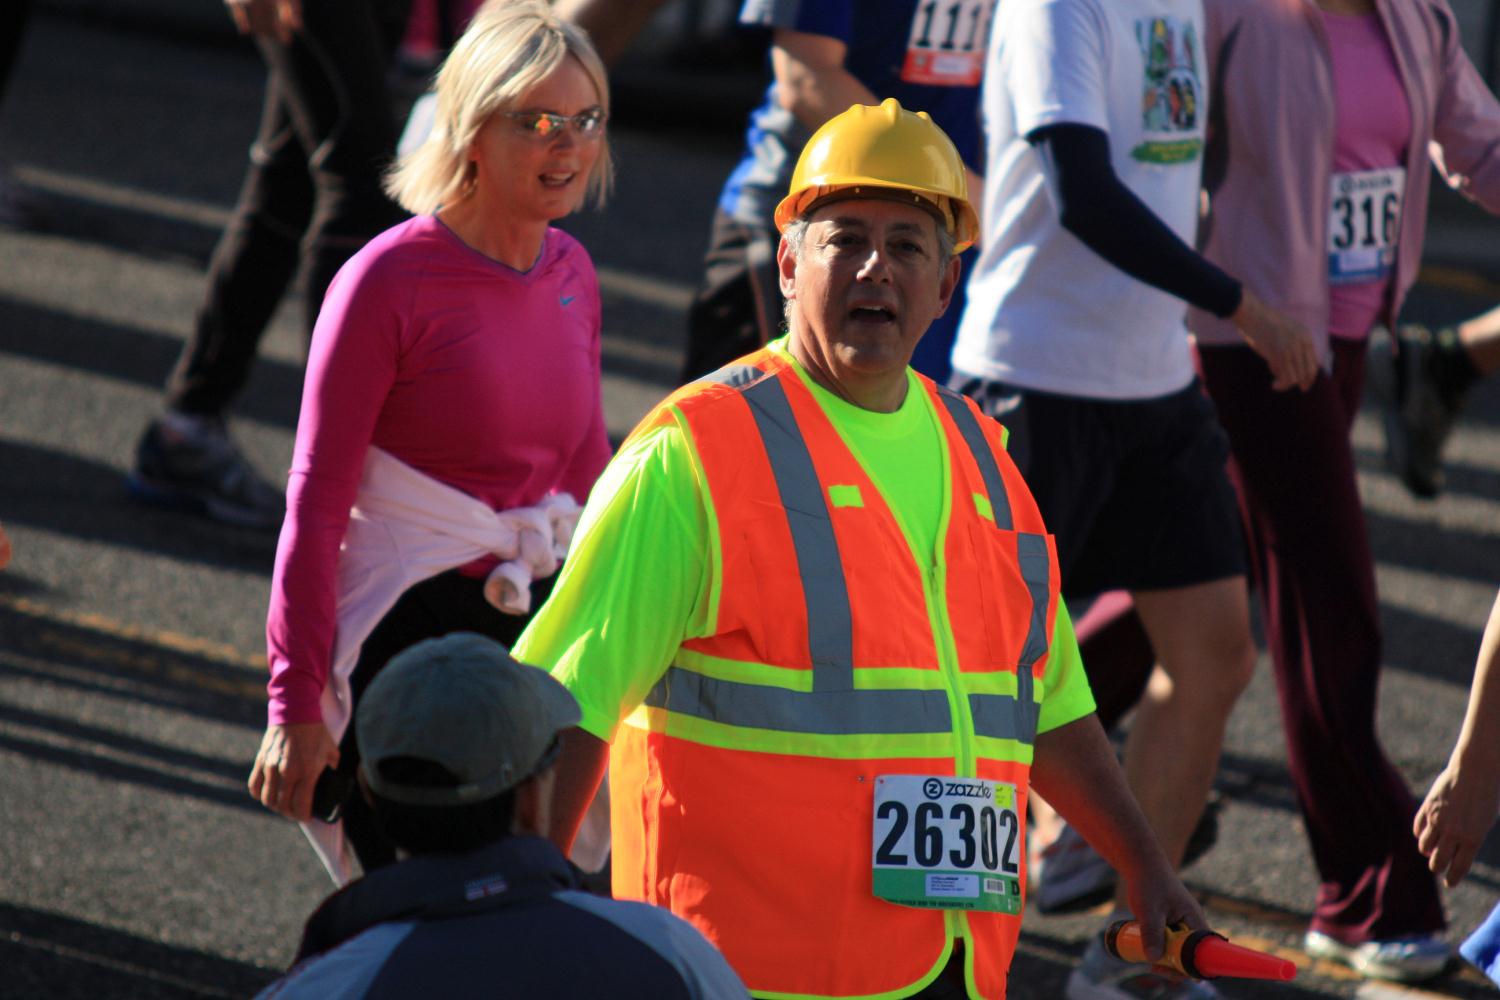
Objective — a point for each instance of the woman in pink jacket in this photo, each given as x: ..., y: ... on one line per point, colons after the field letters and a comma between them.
x: 1325, y: 116
x: 453, y: 384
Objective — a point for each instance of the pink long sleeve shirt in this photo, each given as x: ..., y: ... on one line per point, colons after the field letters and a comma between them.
x: 481, y: 376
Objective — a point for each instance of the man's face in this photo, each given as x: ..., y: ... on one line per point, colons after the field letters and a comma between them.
x: 868, y: 284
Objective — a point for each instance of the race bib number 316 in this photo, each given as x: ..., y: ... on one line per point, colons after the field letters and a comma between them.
x: 1364, y: 224
x: 946, y: 842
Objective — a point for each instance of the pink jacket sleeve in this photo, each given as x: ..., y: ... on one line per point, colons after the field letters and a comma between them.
x: 1466, y: 119
x: 351, y: 367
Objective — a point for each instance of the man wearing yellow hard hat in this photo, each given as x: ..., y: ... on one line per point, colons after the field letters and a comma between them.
x: 812, y: 622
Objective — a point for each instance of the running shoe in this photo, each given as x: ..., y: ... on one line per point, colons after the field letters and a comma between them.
x: 1069, y: 875
x: 1421, y: 387
x: 1100, y: 977
x: 1408, y: 959
x: 203, y: 471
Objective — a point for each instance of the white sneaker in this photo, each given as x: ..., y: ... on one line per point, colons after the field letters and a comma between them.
x: 1100, y: 977
x: 1408, y: 959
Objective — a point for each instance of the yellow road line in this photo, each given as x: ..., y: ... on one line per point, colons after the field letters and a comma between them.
x: 1457, y: 279
x: 1370, y: 990
x: 252, y: 686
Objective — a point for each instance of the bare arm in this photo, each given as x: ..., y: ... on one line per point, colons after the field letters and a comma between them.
x: 1075, y: 770
x: 612, y: 24
x: 278, y: 19
x: 1463, y: 801
x: 1097, y: 207
x: 811, y: 81
x: 580, y: 767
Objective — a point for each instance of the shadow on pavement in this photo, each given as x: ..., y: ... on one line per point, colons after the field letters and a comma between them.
x: 228, y: 789
x: 1418, y: 644
x: 136, y: 355
x: 44, y: 649
x: 47, y: 955
x: 88, y: 500
x: 1463, y: 479
x: 140, y: 232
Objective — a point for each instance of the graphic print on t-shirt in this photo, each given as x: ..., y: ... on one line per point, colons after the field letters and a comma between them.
x: 946, y: 43
x: 1170, y: 91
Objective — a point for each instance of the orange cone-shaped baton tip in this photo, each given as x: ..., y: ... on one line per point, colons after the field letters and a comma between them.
x: 1200, y: 954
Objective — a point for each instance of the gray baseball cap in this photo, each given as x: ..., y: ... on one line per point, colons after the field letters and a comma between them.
x: 460, y: 701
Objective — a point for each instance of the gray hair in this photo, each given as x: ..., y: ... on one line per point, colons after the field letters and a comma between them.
x: 795, y: 234
x: 510, y: 47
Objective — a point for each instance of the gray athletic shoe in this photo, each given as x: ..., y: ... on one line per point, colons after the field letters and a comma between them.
x: 1068, y: 875
x: 203, y: 472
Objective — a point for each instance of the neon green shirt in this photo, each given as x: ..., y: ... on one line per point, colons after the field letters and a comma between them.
x: 902, y: 452
x: 636, y: 583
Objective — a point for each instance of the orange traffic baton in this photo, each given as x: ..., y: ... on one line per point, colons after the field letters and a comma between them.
x: 1199, y: 954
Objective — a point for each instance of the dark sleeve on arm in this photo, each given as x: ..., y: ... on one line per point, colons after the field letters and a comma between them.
x: 1110, y: 220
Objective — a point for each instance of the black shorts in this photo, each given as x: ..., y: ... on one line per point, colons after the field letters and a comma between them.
x: 1136, y: 492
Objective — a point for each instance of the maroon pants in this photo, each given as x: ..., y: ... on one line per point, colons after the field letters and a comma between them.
x: 1310, y: 562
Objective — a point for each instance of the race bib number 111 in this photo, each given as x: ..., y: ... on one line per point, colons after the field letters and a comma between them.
x: 945, y: 47
x: 945, y: 842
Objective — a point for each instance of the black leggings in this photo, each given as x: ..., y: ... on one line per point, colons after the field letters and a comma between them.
x: 449, y: 602
x: 312, y: 193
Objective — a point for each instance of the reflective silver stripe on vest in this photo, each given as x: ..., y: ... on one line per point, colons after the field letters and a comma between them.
x: 831, y: 713
x: 830, y: 625
x: 968, y: 429
x: 999, y: 715
x: 733, y: 376
x: 1036, y: 569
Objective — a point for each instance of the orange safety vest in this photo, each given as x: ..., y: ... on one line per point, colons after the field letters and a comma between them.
x: 742, y: 789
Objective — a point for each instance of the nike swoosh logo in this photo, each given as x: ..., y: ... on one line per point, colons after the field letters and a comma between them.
x: 566, y: 300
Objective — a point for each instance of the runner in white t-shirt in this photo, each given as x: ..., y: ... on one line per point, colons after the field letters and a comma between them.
x: 1074, y: 337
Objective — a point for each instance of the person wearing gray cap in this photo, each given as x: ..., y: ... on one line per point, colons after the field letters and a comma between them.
x: 458, y: 743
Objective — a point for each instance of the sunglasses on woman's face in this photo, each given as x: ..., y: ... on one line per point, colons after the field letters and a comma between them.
x: 545, y: 126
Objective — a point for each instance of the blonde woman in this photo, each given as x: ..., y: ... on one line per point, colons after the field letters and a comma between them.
x: 451, y: 413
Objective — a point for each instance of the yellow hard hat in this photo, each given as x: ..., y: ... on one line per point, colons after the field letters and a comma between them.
x: 887, y: 148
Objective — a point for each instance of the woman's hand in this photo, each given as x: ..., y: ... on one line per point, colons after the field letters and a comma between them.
x: 1453, y: 820
x: 1284, y: 343
x: 287, y: 767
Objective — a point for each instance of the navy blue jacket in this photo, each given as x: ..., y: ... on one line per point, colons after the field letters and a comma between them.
x: 507, y: 921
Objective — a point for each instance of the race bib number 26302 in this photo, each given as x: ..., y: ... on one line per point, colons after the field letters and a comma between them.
x: 947, y: 842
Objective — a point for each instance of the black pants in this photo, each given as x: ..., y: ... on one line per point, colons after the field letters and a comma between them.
x: 13, y: 17
x: 738, y: 306
x: 949, y: 985
x: 449, y: 602
x: 312, y: 195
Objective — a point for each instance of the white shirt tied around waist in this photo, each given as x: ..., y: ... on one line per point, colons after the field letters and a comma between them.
x: 406, y: 527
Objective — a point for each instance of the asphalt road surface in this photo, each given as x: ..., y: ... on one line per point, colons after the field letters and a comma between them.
x: 132, y: 862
